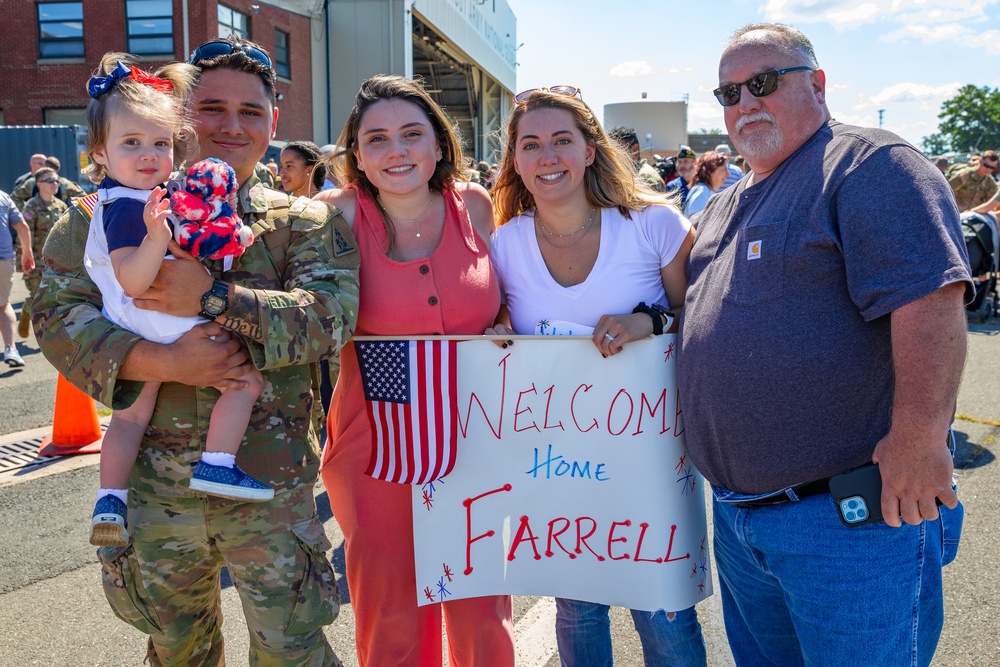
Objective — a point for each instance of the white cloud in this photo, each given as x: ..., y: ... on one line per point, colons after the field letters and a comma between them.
x: 906, y: 92
x: 923, y: 19
x: 632, y: 68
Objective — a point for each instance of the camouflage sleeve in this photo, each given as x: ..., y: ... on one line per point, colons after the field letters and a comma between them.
x: 73, y: 190
x: 22, y: 193
x: 83, y: 345
x: 316, y: 314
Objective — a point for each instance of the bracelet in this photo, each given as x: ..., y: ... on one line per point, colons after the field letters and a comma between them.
x: 655, y: 315
x: 668, y: 317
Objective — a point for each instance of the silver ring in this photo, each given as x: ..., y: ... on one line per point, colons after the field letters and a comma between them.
x: 609, y: 336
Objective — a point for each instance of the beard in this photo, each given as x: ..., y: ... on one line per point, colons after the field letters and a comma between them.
x: 762, y: 142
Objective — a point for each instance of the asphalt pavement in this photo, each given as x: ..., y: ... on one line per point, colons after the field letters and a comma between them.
x: 52, y: 610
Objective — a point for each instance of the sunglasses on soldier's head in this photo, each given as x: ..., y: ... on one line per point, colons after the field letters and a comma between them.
x: 223, y: 47
x: 759, y: 85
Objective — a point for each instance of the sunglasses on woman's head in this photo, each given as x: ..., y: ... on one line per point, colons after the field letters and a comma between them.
x: 522, y: 97
x: 759, y: 85
x: 222, y: 47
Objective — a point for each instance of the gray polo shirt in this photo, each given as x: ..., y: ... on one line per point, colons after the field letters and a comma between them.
x: 785, y: 366
x: 9, y: 216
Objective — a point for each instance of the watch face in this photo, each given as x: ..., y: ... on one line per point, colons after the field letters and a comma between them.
x: 215, y: 304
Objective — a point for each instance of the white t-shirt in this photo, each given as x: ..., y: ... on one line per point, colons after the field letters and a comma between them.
x: 627, y: 271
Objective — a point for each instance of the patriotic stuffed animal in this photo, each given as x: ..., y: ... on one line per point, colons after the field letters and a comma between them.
x: 205, y: 223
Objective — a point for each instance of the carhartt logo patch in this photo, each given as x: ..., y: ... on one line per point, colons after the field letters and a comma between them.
x: 753, y: 250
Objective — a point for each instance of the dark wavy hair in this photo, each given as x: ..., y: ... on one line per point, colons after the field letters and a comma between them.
x: 313, y: 157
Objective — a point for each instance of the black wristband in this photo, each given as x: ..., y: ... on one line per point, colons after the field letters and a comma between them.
x: 668, y: 317
x: 653, y: 314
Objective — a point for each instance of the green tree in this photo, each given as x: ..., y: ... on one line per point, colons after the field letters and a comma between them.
x: 935, y: 144
x: 970, y: 121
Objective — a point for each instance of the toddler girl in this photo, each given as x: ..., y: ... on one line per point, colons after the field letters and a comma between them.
x: 138, y: 136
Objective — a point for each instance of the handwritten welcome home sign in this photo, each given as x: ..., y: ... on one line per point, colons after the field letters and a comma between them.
x: 571, y: 480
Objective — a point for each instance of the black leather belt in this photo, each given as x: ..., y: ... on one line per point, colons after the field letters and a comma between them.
x: 802, y: 491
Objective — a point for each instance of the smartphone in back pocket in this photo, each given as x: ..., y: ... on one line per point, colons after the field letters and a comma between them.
x: 858, y: 495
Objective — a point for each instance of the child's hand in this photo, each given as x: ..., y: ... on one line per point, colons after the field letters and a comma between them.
x: 155, y: 216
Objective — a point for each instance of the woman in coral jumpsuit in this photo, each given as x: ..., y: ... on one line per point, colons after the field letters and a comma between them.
x: 424, y: 243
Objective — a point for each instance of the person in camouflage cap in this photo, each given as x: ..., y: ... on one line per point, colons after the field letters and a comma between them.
x: 40, y: 213
x: 288, y: 302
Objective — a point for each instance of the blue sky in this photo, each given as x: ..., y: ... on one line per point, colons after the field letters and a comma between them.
x: 903, y: 56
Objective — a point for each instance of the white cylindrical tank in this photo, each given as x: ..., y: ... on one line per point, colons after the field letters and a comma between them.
x: 660, y: 126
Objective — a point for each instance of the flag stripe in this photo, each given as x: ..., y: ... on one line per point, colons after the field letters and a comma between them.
x: 412, y: 404
x: 420, y: 375
x: 452, y: 374
x: 434, y: 464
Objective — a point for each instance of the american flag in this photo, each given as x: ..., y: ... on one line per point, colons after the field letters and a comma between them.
x: 412, y: 399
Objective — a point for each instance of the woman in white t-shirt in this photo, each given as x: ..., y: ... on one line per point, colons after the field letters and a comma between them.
x: 583, y: 248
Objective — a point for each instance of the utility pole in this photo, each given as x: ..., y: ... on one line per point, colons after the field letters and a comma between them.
x: 880, y: 112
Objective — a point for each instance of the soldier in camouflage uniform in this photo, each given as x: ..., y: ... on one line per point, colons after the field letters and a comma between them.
x: 975, y: 188
x: 293, y: 299
x: 40, y: 213
x: 68, y: 190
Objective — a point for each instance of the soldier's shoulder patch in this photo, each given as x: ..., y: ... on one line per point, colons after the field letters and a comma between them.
x: 87, y: 204
x: 343, y: 239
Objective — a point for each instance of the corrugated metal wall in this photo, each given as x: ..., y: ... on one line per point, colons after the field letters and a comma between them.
x: 19, y: 142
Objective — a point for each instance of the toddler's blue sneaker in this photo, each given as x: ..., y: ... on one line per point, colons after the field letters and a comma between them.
x: 108, y: 525
x: 229, y: 483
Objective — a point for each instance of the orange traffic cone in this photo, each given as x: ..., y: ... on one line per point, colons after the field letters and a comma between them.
x: 75, y: 427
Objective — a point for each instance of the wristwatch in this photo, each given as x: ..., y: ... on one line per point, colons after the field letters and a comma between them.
x: 215, y: 301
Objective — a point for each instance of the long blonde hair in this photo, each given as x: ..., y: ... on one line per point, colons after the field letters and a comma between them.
x: 159, y: 108
x: 609, y: 181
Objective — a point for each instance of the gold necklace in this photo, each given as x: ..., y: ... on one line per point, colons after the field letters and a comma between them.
x: 415, y: 220
x: 584, y: 229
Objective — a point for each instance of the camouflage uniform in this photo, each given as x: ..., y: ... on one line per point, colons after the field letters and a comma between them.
x: 19, y: 180
x: 265, y: 176
x: 166, y: 582
x: 650, y: 176
x: 971, y: 190
x: 40, y: 217
x: 68, y: 192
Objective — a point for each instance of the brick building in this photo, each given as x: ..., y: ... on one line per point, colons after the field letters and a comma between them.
x: 51, y: 47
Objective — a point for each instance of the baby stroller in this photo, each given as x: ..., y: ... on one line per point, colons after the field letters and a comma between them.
x: 982, y: 240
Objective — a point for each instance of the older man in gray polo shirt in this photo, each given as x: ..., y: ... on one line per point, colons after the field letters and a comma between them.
x: 823, y: 329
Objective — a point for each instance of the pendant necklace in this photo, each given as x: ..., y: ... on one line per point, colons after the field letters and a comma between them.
x: 415, y: 221
x: 586, y: 226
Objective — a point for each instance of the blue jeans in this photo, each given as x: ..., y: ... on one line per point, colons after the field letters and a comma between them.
x: 800, y: 588
x: 583, y: 633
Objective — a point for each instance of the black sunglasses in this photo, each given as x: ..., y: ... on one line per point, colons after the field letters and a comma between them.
x: 49, y: 180
x: 759, y: 85
x: 223, y: 47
